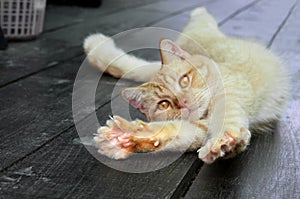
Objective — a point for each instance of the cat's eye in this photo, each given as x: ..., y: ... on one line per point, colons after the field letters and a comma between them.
x: 163, y: 105
x: 184, y: 81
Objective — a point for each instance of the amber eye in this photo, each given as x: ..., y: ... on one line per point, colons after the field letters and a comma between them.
x: 184, y: 81
x: 163, y: 105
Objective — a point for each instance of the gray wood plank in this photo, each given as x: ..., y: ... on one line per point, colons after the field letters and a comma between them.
x: 60, y: 166
x: 64, y: 169
x: 171, y: 6
x: 39, y: 108
x: 270, y: 166
x: 288, y: 38
x: 23, y: 60
x: 260, y: 21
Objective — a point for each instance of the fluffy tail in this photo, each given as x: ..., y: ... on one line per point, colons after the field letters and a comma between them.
x: 104, y: 55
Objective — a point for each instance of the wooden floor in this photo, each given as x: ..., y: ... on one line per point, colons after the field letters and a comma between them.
x: 39, y: 154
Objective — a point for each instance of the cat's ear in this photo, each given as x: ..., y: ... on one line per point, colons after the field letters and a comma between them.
x: 134, y: 96
x: 169, y: 51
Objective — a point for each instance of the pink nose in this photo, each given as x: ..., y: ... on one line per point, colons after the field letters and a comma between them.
x: 183, y: 103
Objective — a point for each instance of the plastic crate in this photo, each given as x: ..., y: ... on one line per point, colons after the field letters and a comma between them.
x: 22, y: 19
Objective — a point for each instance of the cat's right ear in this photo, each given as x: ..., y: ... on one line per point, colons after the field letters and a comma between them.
x: 169, y: 52
x: 134, y: 96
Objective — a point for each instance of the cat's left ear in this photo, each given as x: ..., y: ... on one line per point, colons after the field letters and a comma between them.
x: 169, y: 52
x: 134, y: 96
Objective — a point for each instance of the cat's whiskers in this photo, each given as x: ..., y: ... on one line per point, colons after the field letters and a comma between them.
x: 200, y: 95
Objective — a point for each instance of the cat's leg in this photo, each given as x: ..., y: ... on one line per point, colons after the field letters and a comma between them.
x: 200, y: 32
x: 103, y: 54
x: 120, y: 137
x: 232, y: 139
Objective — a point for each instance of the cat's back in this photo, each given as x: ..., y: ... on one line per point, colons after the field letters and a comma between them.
x: 254, y: 61
x: 263, y: 70
x: 239, y: 52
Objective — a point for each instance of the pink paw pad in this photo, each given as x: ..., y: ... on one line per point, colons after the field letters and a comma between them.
x: 125, y: 140
x: 113, y: 142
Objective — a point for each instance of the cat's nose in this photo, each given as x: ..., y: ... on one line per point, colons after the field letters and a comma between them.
x: 183, y: 103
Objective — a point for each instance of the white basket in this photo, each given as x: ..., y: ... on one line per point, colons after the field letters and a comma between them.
x: 22, y: 19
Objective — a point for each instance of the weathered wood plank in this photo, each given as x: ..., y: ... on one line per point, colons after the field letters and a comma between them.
x: 270, y: 166
x: 288, y: 38
x: 38, y: 108
x: 260, y: 21
x: 20, y: 60
x: 64, y: 169
x: 60, y: 167
x: 171, y: 6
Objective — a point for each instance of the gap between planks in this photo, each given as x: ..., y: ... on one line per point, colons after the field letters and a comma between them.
x: 40, y: 70
x: 51, y: 139
x: 238, y: 12
x: 282, y: 24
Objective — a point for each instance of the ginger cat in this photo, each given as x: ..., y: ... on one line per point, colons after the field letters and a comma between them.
x: 203, y: 98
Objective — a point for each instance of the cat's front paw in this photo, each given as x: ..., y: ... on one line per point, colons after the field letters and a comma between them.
x: 120, y: 138
x: 113, y: 142
x: 227, y: 146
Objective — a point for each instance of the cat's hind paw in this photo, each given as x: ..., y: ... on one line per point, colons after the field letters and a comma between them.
x: 227, y: 146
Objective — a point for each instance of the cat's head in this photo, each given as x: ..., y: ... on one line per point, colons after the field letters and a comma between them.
x: 178, y: 91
